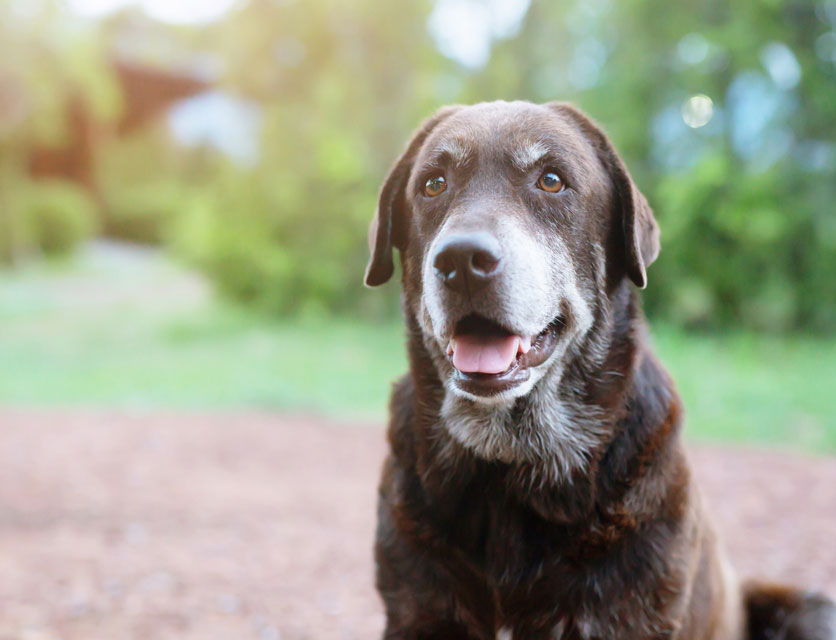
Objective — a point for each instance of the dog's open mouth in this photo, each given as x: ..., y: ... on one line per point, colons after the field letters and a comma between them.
x: 489, y: 359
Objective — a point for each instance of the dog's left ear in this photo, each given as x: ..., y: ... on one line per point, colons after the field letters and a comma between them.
x: 641, y: 232
x: 388, y: 227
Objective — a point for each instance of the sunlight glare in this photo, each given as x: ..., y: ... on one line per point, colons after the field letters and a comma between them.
x: 697, y: 111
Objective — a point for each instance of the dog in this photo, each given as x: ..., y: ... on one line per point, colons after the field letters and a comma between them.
x: 536, y: 485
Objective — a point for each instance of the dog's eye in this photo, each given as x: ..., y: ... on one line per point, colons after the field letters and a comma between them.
x: 434, y: 186
x: 550, y: 182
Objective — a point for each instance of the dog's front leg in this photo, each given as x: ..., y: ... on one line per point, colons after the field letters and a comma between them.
x: 420, y: 601
x: 440, y: 631
x: 429, y: 593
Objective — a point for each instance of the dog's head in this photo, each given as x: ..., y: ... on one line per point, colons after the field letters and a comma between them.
x: 513, y: 220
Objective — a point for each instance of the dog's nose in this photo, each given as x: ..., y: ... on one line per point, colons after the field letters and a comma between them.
x: 467, y: 261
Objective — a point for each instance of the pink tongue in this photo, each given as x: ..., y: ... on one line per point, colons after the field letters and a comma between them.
x: 484, y: 354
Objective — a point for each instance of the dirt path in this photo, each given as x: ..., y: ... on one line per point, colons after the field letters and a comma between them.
x: 260, y: 526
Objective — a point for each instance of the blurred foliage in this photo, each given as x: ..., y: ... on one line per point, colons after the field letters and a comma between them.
x: 140, y: 190
x: 49, y: 218
x: 745, y: 202
x: 57, y: 215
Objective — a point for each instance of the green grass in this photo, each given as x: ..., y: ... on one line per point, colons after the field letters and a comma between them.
x: 221, y: 358
x: 139, y: 333
x: 136, y: 331
x: 754, y: 388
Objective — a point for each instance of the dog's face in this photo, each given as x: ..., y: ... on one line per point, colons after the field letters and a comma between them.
x: 513, y: 220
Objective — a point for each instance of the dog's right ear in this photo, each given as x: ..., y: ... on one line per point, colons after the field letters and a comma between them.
x: 388, y: 227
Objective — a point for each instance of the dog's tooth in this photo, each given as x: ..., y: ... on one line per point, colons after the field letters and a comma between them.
x: 451, y: 347
x: 525, y: 344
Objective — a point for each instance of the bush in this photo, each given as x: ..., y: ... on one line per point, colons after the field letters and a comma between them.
x: 262, y: 246
x: 142, y: 186
x: 50, y: 217
x: 141, y: 212
x: 741, y: 249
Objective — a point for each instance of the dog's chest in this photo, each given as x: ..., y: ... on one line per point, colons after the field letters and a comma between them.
x: 527, y: 564
x: 535, y: 569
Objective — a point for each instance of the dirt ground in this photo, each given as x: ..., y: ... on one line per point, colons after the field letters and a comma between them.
x: 116, y: 525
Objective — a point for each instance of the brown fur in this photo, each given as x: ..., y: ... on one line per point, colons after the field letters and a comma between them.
x: 621, y: 547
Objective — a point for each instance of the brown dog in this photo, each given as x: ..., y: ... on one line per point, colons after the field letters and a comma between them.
x: 537, y: 485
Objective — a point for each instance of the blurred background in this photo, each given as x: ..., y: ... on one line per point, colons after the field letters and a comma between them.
x: 185, y: 189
